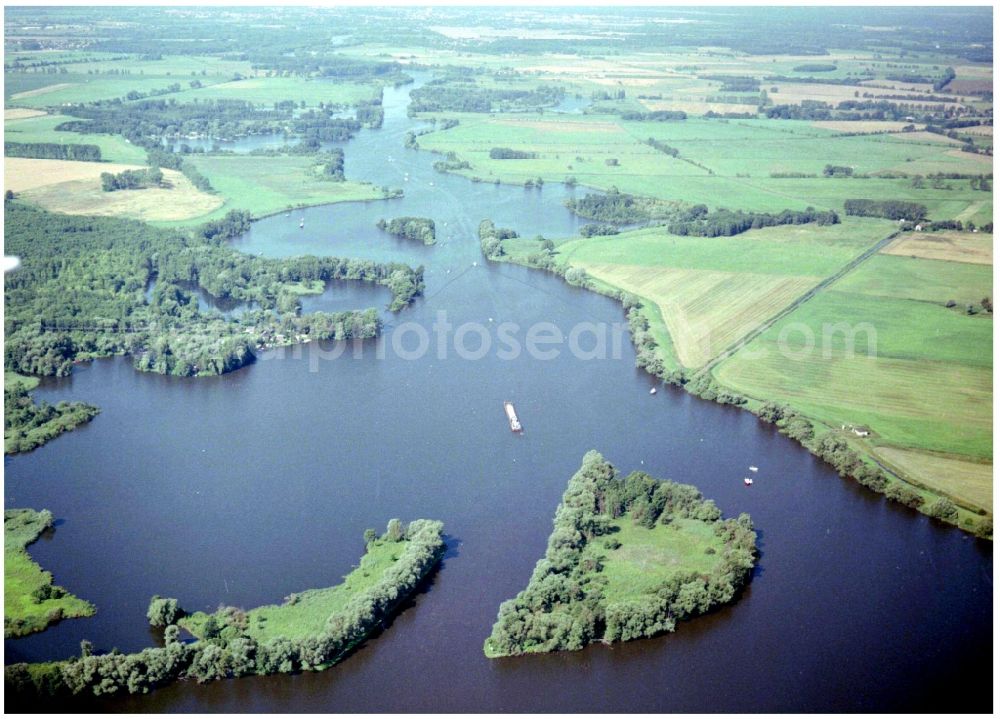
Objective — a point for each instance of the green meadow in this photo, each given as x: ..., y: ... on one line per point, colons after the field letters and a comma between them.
x: 31, y: 601
x: 647, y: 558
x: 267, y: 185
x: 722, y: 163
x: 305, y: 614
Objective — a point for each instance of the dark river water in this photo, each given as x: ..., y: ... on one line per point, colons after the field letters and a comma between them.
x: 244, y: 488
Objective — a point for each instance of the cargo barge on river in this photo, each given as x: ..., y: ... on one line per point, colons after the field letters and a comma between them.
x: 515, y: 423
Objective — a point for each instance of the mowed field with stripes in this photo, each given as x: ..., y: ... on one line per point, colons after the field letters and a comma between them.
x: 713, y: 291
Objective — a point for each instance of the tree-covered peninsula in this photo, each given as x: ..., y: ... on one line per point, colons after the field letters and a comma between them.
x: 80, y: 293
x: 310, y: 631
x: 27, y: 424
x: 628, y: 557
x: 31, y: 602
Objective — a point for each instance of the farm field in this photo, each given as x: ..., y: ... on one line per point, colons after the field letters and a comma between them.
x: 74, y: 188
x: 263, y: 187
x: 712, y: 291
x: 741, y: 161
x: 953, y: 246
x: 968, y: 483
x: 82, y: 88
x: 880, y: 348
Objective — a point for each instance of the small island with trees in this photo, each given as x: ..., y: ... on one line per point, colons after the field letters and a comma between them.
x: 628, y: 557
x: 410, y: 228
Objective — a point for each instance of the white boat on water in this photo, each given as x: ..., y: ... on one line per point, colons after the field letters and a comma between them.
x: 752, y: 468
x: 652, y: 390
x: 747, y: 481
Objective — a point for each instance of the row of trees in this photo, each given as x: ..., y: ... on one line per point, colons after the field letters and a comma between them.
x: 148, y: 122
x: 564, y: 605
x: 889, y: 209
x: 445, y: 94
x: 52, y: 151
x: 700, y: 222
x: 654, y: 115
x: 229, y: 651
x: 410, y: 228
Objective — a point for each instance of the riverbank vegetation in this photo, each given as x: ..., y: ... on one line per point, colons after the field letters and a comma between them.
x: 85, y: 299
x: 31, y: 600
x: 628, y: 557
x: 410, y: 228
x: 310, y: 631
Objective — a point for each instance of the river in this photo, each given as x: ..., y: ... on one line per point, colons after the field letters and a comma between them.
x: 244, y: 488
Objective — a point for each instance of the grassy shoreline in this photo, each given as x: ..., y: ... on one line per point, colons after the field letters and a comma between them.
x: 31, y: 601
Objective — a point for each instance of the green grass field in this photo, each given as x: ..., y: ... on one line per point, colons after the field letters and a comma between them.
x: 24, y: 582
x: 731, y: 161
x: 304, y: 614
x: 268, y: 185
x: 268, y: 90
x: 102, y: 76
x: 647, y: 558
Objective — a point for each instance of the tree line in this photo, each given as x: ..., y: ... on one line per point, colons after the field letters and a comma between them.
x: 889, y: 209
x: 654, y: 116
x: 448, y: 95
x: 52, y: 151
x: 506, y: 153
x: 700, y: 222
x: 229, y: 651
x: 564, y: 606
